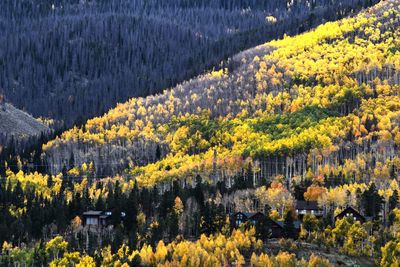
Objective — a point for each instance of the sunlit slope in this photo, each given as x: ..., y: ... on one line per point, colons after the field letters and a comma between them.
x: 318, y: 102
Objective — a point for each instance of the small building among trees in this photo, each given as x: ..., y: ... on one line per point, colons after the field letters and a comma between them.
x: 275, y: 229
x: 280, y: 230
x: 308, y: 207
x: 350, y: 212
x: 241, y: 217
x: 96, y: 218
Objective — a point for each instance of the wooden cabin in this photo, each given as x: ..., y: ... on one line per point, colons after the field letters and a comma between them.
x: 308, y: 207
x: 96, y: 218
x: 351, y: 212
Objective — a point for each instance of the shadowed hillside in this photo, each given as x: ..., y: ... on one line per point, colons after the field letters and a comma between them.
x: 14, y: 122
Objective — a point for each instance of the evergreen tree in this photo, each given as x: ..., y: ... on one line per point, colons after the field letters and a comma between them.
x: 240, y: 182
x: 173, y: 227
x: 199, y: 193
x: 117, y: 205
x: 146, y: 201
x: 166, y: 204
x: 289, y: 229
x: 393, y: 200
x: 118, y: 238
x: 100, y: 204
x: 212, y: 219
x: 249, y: 176
x: 50, y: 181
x: 130, y: 220
x: 156, y: 233
x: 372, y: 201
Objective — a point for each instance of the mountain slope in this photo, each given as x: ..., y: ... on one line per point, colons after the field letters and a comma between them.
x: 322, y: 103
x: 14, y: 122
x: 71, y: 60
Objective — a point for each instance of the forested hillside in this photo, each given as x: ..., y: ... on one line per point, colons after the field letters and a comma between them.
x: 71, y: 60
x: 17, y: 128
x: 325, y: 102
x: 20, y: 134
x: 14, y: 122
x: 288, y: 155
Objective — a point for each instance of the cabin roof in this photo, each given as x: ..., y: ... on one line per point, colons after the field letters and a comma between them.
x: 307, y: 205
x: 247, y: 214
x: 257, y: 213
x: 93, y: 213
x: 295, y: 223
x: 349, y: 209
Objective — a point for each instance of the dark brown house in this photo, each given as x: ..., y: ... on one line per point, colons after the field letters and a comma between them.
x: 256, y: 217
x: 308, y: 207
x: 279, y: 233
x: 96, y: 218
x: 241, y: 217
x: 276, y: 227
x: 350, y: 212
